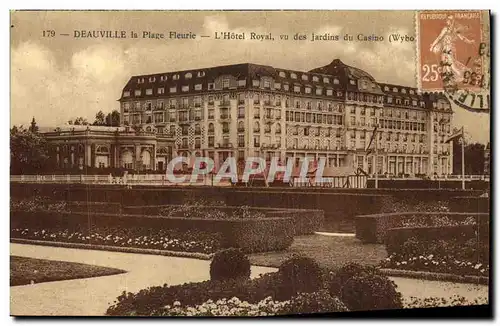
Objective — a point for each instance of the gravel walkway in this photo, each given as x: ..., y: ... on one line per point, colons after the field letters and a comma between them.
x: 92, y: 296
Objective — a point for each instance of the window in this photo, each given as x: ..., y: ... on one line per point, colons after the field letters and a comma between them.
x: 159, y: 105
x: 286, y: 87
x: 225, y: 83
x: 267, y: 84
x: 329, y: 92
x: 242, y: 82
x: 305, y: 77
x: 173, y: 89
x: 137, y: 92
x: 185, y: 88
x: 149, y: 91
x: 140, y: 80
x: 315, y: 78
x: 201, y: 74
x: 210, y: 127
x: 296, y: 89
x: 352, y: 82
x: 336, y: 81
x: 241, y: 140
x: 308, y: 90
x: 211, y: 141
x: 126, y: 94
x: 319, y: 91
x: 163, y: 78
x: 277, y: 85
x: 152, y: 79
x: 197, y: 87
x: 175, y: 77
x: 255, y: 83
x: 395, y: 90
x: 293, y: 75
x: 386, y: 88
x: 188, y: 75
x: 403, y: 91
x: 211, y: 86
x: 161, y: 90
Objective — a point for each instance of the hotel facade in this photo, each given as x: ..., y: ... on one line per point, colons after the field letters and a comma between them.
x: 329, y: 112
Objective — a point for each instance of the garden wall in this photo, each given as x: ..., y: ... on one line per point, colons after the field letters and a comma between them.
x: 373, y: 228
x: 251, y: 235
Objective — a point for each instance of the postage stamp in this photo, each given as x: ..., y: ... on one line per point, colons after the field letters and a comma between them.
x: 453, y: 56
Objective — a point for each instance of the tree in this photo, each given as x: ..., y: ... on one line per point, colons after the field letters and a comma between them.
x: 113, y: 119
x: 78, y: 121
x: 473, y: 155
x: 100, y: 119
x: 29, y: 151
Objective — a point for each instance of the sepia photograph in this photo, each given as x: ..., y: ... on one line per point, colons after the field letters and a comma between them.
x: 243, y: 163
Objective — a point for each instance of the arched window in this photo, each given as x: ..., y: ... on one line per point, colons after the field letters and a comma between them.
x: 278, y: 128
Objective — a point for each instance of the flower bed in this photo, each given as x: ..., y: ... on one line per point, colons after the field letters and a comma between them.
x: 148, y: 238
x: 439, y: 254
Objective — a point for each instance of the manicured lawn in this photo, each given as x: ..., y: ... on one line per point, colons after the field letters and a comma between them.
x: 329, y: 252
x: 24, y: 270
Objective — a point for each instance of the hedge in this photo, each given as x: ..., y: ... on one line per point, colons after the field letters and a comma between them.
x: 373, y: 228
x: 471, y: 204
x: 251, y: 235
x: 305, y: 221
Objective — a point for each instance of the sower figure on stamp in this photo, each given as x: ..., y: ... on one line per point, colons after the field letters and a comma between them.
x: 444, y: 45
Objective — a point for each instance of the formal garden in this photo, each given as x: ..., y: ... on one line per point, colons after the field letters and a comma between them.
x: 316, y: 273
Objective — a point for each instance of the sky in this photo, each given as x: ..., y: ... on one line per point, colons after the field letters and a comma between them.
x: 58, y: 78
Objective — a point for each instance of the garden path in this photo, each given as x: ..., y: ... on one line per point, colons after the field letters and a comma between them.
x: 92, y: 296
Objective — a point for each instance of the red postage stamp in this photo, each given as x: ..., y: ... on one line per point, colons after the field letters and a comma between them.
x: 450, y: 51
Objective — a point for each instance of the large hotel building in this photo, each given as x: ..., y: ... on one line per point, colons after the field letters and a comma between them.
x: 247, y: 110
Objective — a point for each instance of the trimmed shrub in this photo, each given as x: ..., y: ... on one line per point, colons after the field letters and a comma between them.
x: 316, y: 302
x: 300, y: 274
x: 346, y: 272
x: 229, y: 264
x: 370, y: 292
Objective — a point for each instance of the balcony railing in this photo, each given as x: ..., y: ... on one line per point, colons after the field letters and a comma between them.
x: 256, y: 116
x: 225, y: 145
x: 225, y: 131
x: 241, y: 116
x: 184, y: 146
x: 256, y: 144
x: 256, y: 101
x: 278, y: 103
x: 267, y: 102
x: 225, y: 103
x: 241, y: 101
x: 210, y: 132
x: 225, y: 116
x: 241, y: 129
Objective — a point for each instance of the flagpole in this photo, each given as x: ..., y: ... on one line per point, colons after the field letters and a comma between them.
x: 463, y: 161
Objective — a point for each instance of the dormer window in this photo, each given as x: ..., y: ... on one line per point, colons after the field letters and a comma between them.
x: 286, y: 87
x: 422, y: 104
x: 319, y: 91
x: 175, y: 77
x: 282, y: 74
x: 395, y: 90
x: 255, y: 83
x: 305, y: 77
x: 308, y: 90
x: 188, y: 75
x: 352, y: 82
x: 329, y: 92
x: 267, y: 84
x: 403, y: 91
x: 197, y: 87
x: 149, y: 91
x: 336, y: 81
x: 201, y: 74
x: 326, y: 80
x: 225, y: 83
x: 412, y: 91
x: 315, y: 78
x: 126, y: 94
x: 137, y: 92
x: 185, y: 88
x: 277, y: 85
x: 163, y: 78
x: 152, y: 79
x: 296, y: 89
x: 386, y: 88
x: 161, y: 90
x: 173, y: 89
x: 293, y: 75
x: 140, y: 80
